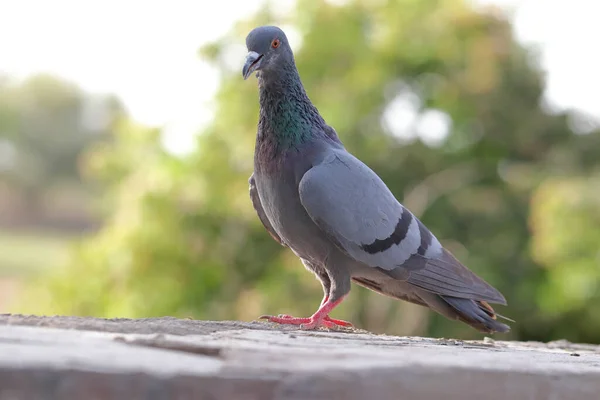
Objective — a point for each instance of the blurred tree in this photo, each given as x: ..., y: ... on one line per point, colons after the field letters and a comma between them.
x: 565, y: 218
x: 437, y: 98
x: 45, y: 124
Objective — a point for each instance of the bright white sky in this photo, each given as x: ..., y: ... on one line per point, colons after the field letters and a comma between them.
x: 146, y: 51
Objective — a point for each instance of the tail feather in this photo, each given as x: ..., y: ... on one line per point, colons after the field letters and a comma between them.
x: 478, y: 314
x: 474, y: 312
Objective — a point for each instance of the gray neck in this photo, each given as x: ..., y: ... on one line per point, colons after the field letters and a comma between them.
x: 287, y: 116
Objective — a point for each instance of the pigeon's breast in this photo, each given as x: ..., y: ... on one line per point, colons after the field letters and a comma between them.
x: 281, y: 202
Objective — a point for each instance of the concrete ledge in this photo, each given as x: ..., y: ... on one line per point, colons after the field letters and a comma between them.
x: 168, y: 358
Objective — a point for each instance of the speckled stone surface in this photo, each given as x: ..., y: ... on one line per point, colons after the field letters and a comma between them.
x: 168, y: 358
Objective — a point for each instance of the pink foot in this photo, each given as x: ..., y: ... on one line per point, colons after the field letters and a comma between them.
x: 305, y: 323
x: 285, y: 319
x: 339, y: 322
x: 319, y: 319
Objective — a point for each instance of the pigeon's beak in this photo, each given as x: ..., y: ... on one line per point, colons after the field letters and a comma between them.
x: 252, y: 64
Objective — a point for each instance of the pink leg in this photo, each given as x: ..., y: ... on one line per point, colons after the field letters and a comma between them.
x: 325, y: 298
x: 339, y: 322
x: 318, y: 319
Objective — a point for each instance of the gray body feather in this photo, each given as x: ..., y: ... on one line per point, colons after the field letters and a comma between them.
x: 341, y: 219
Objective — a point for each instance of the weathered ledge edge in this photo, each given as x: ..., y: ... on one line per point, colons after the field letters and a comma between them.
x: 75, y: 357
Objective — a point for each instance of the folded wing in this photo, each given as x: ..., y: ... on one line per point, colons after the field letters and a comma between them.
x: 355, y: 208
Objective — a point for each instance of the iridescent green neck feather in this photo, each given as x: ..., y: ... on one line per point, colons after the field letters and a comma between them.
x: 287, y: 116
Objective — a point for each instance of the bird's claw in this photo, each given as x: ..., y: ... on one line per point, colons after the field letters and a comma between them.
x: 306, y: 323
x: 339, y: 322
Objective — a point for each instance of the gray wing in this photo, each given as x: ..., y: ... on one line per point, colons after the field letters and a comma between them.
x: 261, y: 212
x: 355, y: 208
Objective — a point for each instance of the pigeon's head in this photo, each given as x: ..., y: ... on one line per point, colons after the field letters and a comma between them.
x: 268, y: 50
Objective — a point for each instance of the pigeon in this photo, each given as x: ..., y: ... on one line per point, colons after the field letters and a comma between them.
x: 337, y: 215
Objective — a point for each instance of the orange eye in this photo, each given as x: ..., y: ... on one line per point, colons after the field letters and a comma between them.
x: 275, y: 43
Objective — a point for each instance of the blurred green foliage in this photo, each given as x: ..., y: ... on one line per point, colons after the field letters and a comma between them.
x: 27, y: 253
x: 512, y: 190
x: 46, y: 124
